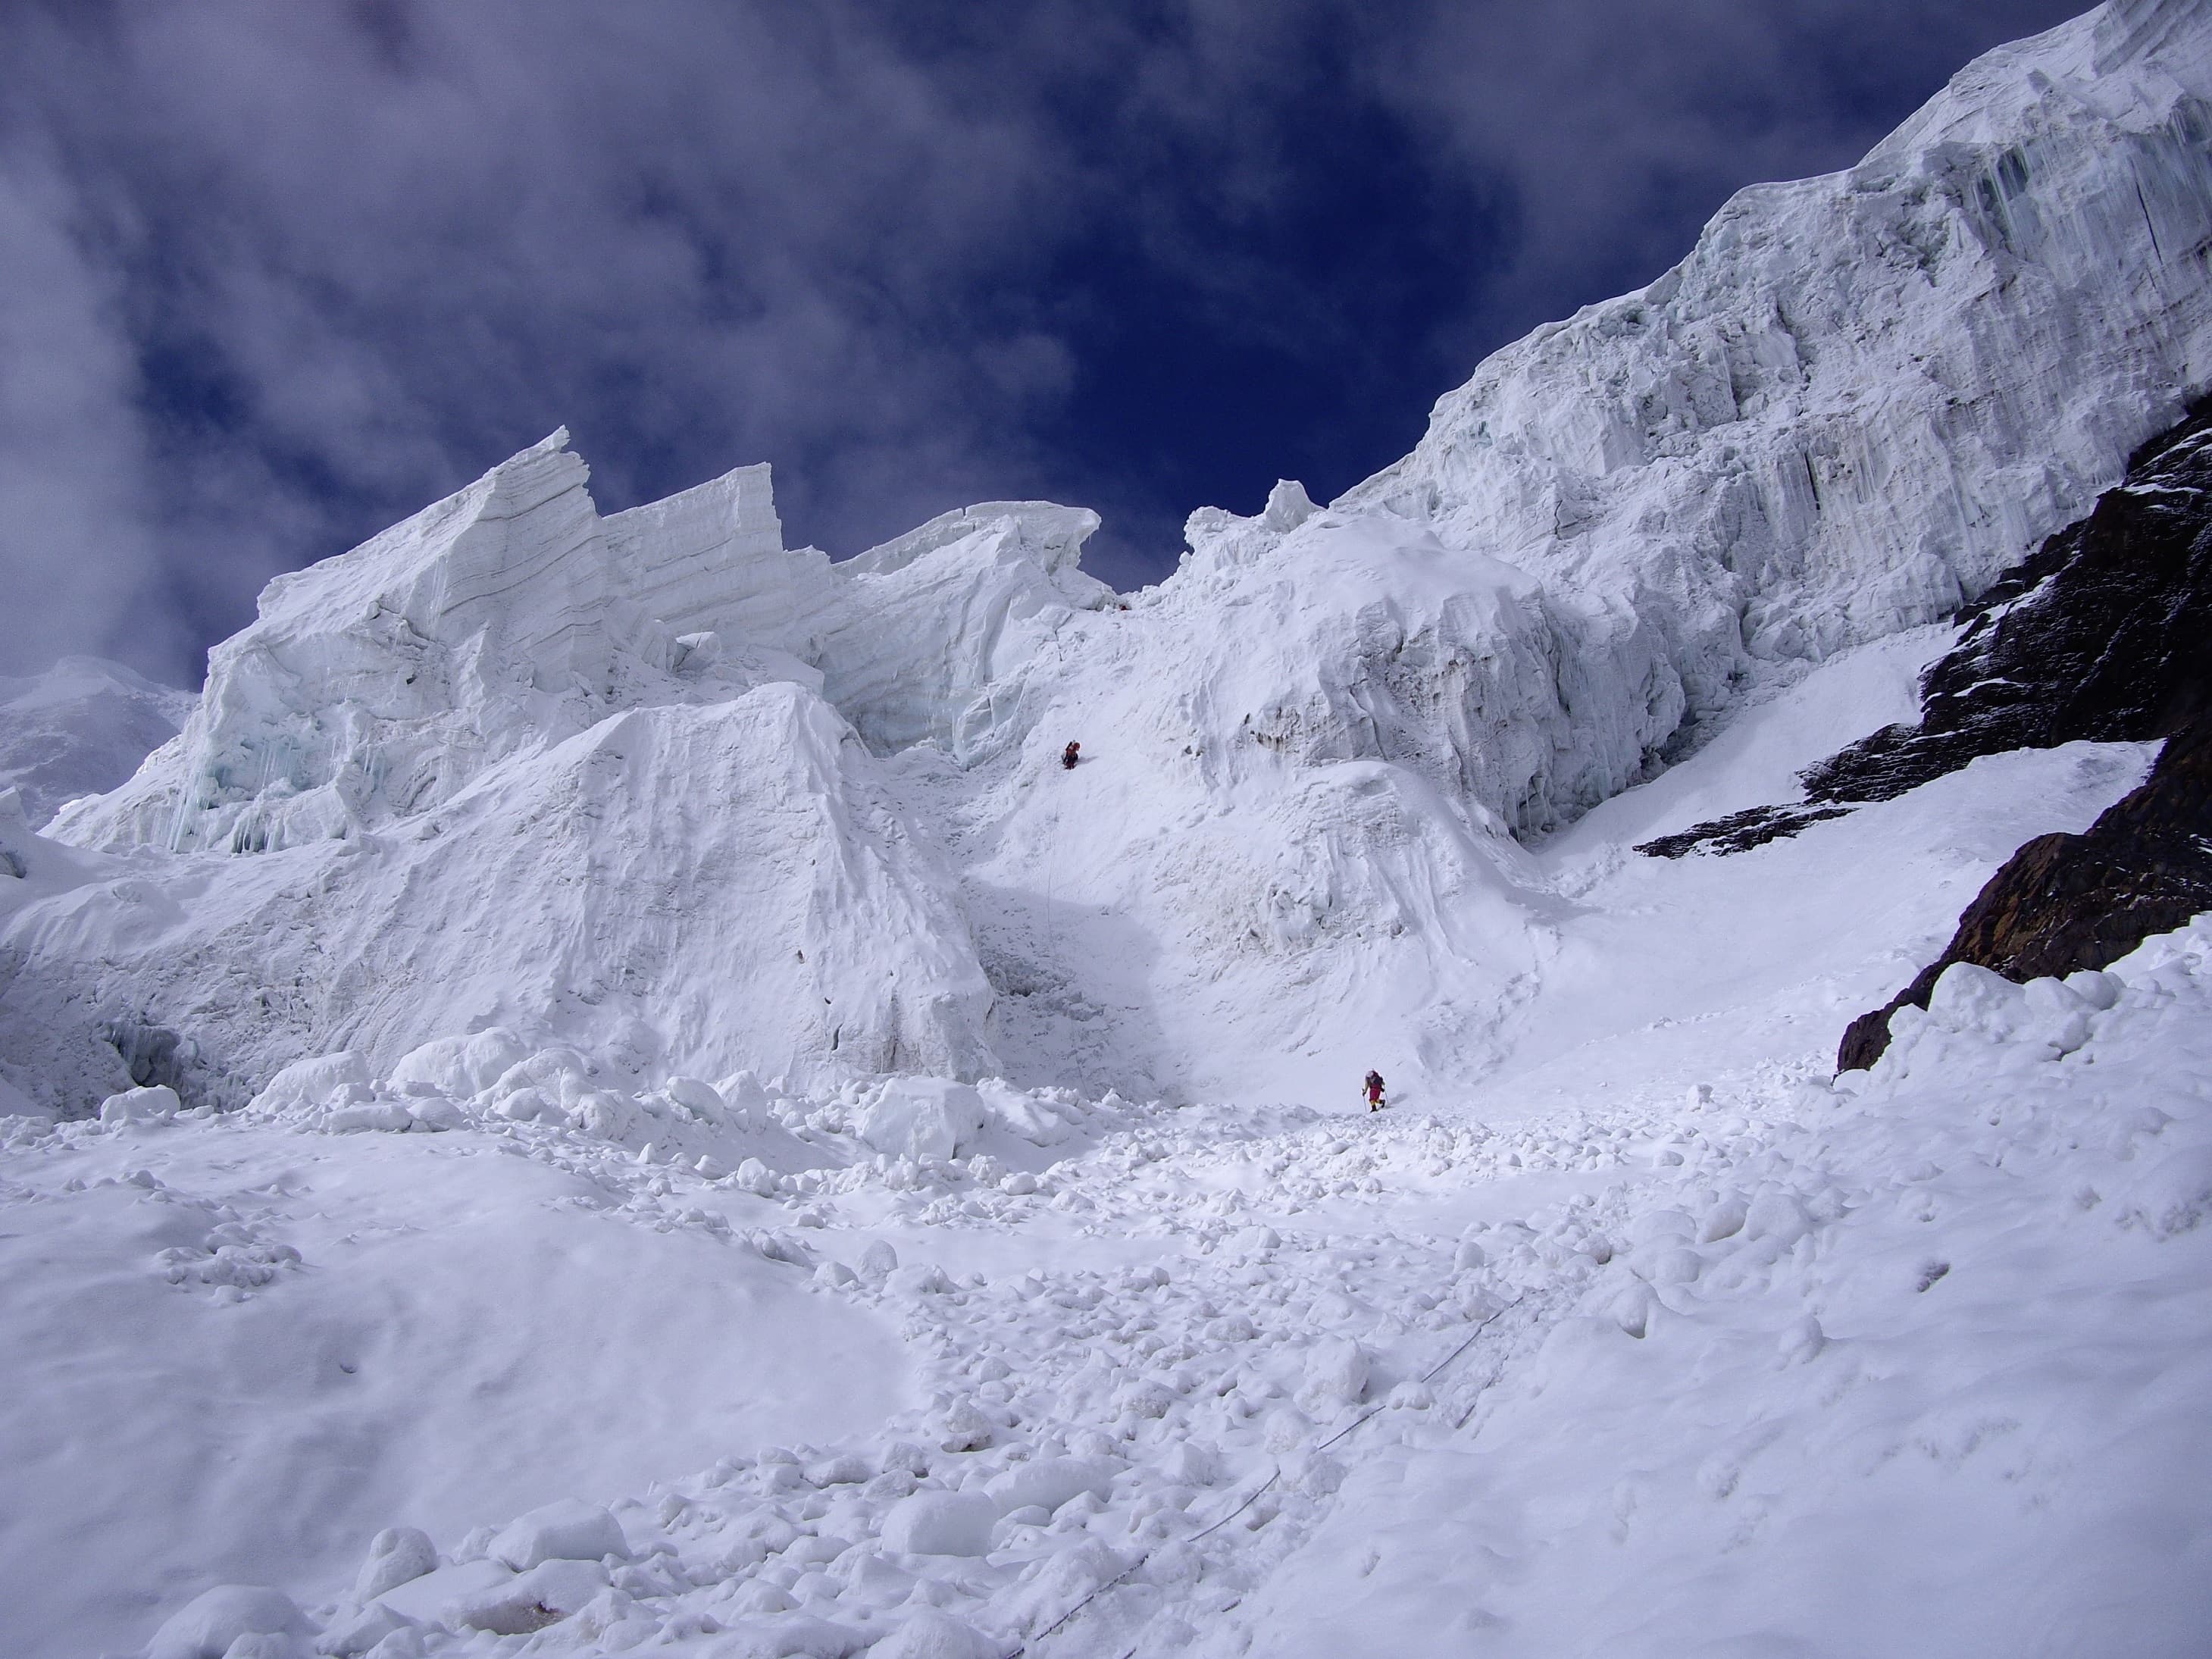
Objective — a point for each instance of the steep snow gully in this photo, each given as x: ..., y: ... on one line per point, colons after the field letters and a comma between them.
x: 607, y: 1093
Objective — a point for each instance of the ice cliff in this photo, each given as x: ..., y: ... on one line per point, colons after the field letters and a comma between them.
x: 1860, y: 396
x: 654, y: 777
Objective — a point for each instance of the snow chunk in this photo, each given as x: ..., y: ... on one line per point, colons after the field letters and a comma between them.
x: 319, y: 1080
x: 929, y: 1634
x: 458, y: 1067
x: 565, y: 1530
x: 1189, y: 1464
x: 941, y: 1523
x: 879, y: 1260
x: 1021, y: 1113
x: 2172, y: 1197
x: 1968, y: 998
x: 1336, y: 1368
x: 1288, y: 506
x: 395, y: 1555
x: 2101, y: 991
x: 1048, y: 1482
x: 792, y: 1636
x: 387, y: 1115
x: 155, y: 1105
x: 207, y: 1625
x: 697, y: 1095
x: 349, y: 1637
x: 549, y: 1592
x: 434, y: 1595
x: 1802, y: 1340
x: 923, y: 1117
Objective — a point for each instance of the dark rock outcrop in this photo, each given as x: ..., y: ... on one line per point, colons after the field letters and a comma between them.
x: 2065, y: 903
x: 2105, y: 633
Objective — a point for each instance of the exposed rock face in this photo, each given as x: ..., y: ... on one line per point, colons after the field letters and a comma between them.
x: 2104, y: 633
x: 2066, y: 902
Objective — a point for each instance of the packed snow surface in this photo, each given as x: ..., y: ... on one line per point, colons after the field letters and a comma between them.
x: 606, y: 1090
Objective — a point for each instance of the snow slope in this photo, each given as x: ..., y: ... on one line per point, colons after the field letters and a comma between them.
x: 81, y: 728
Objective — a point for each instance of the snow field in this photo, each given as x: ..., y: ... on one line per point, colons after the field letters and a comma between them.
x: 1664, y: 1374
x: 1916, y: 1375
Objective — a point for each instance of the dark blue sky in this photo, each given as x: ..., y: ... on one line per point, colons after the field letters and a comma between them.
x: 274, y: 274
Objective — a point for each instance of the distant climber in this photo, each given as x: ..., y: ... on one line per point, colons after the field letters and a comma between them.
x: 1068, y: 756
x: 1374, y: 1091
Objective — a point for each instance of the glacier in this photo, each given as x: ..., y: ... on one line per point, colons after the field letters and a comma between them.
x: 1319, y: 750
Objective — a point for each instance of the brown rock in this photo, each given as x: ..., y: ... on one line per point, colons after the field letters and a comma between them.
x: 2065, y: 903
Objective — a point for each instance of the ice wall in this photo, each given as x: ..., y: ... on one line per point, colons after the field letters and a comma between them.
x: 1362, y: 635
x: 378, y: 683
x: 699, y: 889
x: 938, y: 620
